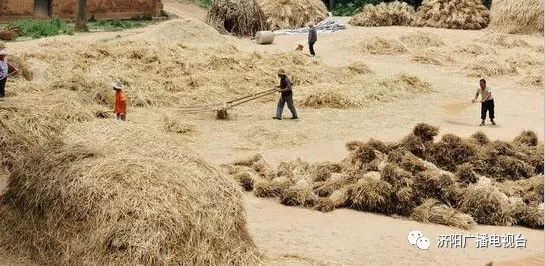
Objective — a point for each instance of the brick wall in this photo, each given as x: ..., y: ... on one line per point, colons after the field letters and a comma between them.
x: 10, y: 9
x: 16, y: 7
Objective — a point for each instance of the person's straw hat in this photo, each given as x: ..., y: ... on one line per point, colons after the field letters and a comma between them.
x: 3, y: 52
x: 117, y: 85
x: 282, y: 72
x: 311, y: 24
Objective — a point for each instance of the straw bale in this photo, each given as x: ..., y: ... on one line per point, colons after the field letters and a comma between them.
x: 420, y: 39
x: 328, y: 187
x: 452, y: 14
x: 530, y: 215
x: 452, y: 151
x: 530, y: 190
x: 369, y: 194
x: 109, y: 193
x: 517, y: 17
x: 384, y: 14
x: 337, y: 199
x: 240, y: 17
x: 300, y: 194
x: 271, y: 188
x: 381, y: 46
x: 480, y: 138
x: 377, y: 145
x: 412, y: 163
x: 466, y: 174
x: 289, y: 14
x: 488, y: 66
x: 425, y: 132
x: 436, y: 184
x: 528, y: 138
x: 432, y: 211
x: 487, y: 205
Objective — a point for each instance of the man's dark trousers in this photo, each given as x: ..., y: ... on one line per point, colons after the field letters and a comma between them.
x: 282, y: 101
x: 487, y: 106
x: 311, y: 48
x: 3, y: 87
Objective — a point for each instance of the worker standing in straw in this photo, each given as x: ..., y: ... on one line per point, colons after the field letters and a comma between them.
x: 5, y: 70
x: 286, y: 97
x: 312, y: 38
x: 120, y: 102
x: 487, y: 102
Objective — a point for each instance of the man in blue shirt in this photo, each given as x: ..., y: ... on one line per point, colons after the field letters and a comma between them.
x: 286, y: 97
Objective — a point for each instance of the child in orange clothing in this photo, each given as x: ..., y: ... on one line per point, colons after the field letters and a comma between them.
x: 120, y: 102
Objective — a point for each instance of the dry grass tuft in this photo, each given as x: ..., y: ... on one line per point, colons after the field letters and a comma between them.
x: 384, y: 14
x: 179, y: 127
x: 528, y: 138
x: 487, y: 205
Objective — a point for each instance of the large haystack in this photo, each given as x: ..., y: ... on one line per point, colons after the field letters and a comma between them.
x: 238, y: 17
x: 452, y: 14
x: 384, y: 14
x: 117, y: 194
x: 288, y: 14
x: 517, y: 17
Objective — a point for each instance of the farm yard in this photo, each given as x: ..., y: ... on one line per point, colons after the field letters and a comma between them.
x: 387, y: 142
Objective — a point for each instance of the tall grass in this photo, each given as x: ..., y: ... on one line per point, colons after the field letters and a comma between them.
x: 42, y: 28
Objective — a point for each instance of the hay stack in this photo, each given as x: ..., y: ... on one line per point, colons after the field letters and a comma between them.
x: 116, y: 194
x: 432, y: 211
x: 327, y: 98
x: 452, y: 14
x: 238, y: 17
x: 289, y: 14
x: 384, y: 14
x: 517, y: 17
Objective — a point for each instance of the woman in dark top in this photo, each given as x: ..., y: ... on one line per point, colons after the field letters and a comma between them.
x: 286, y: 97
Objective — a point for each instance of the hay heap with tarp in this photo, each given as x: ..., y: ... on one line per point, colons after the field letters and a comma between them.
x: 452, y: 14
x: 517, y: 17
x: 237, y: 17
x: 292, y: 14
x: 384, y: 14
x: 453, y: 181
x: 113, y: 193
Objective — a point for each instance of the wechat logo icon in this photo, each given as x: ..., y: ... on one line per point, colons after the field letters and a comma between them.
x: 417, y: 238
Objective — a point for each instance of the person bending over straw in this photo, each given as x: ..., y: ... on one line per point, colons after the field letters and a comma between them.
x: 120, y: 102
x: 286, y: 97
x: 487, y: 102
x: 5, y: 70
x: 312, y: 38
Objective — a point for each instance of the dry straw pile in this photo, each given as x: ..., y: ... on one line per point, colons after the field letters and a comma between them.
x: 384, y: 14
x: 452, y: 14
x: 289, y: 14
x: 517, y: 17
x: 115, y: 193
x: 453, y: 181
x: 238, y: 17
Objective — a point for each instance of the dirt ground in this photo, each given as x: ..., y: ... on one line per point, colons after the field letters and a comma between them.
x: 294, y: 236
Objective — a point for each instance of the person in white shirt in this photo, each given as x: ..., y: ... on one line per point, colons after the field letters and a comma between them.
x: 5, y: 69
x: 487, y: 102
